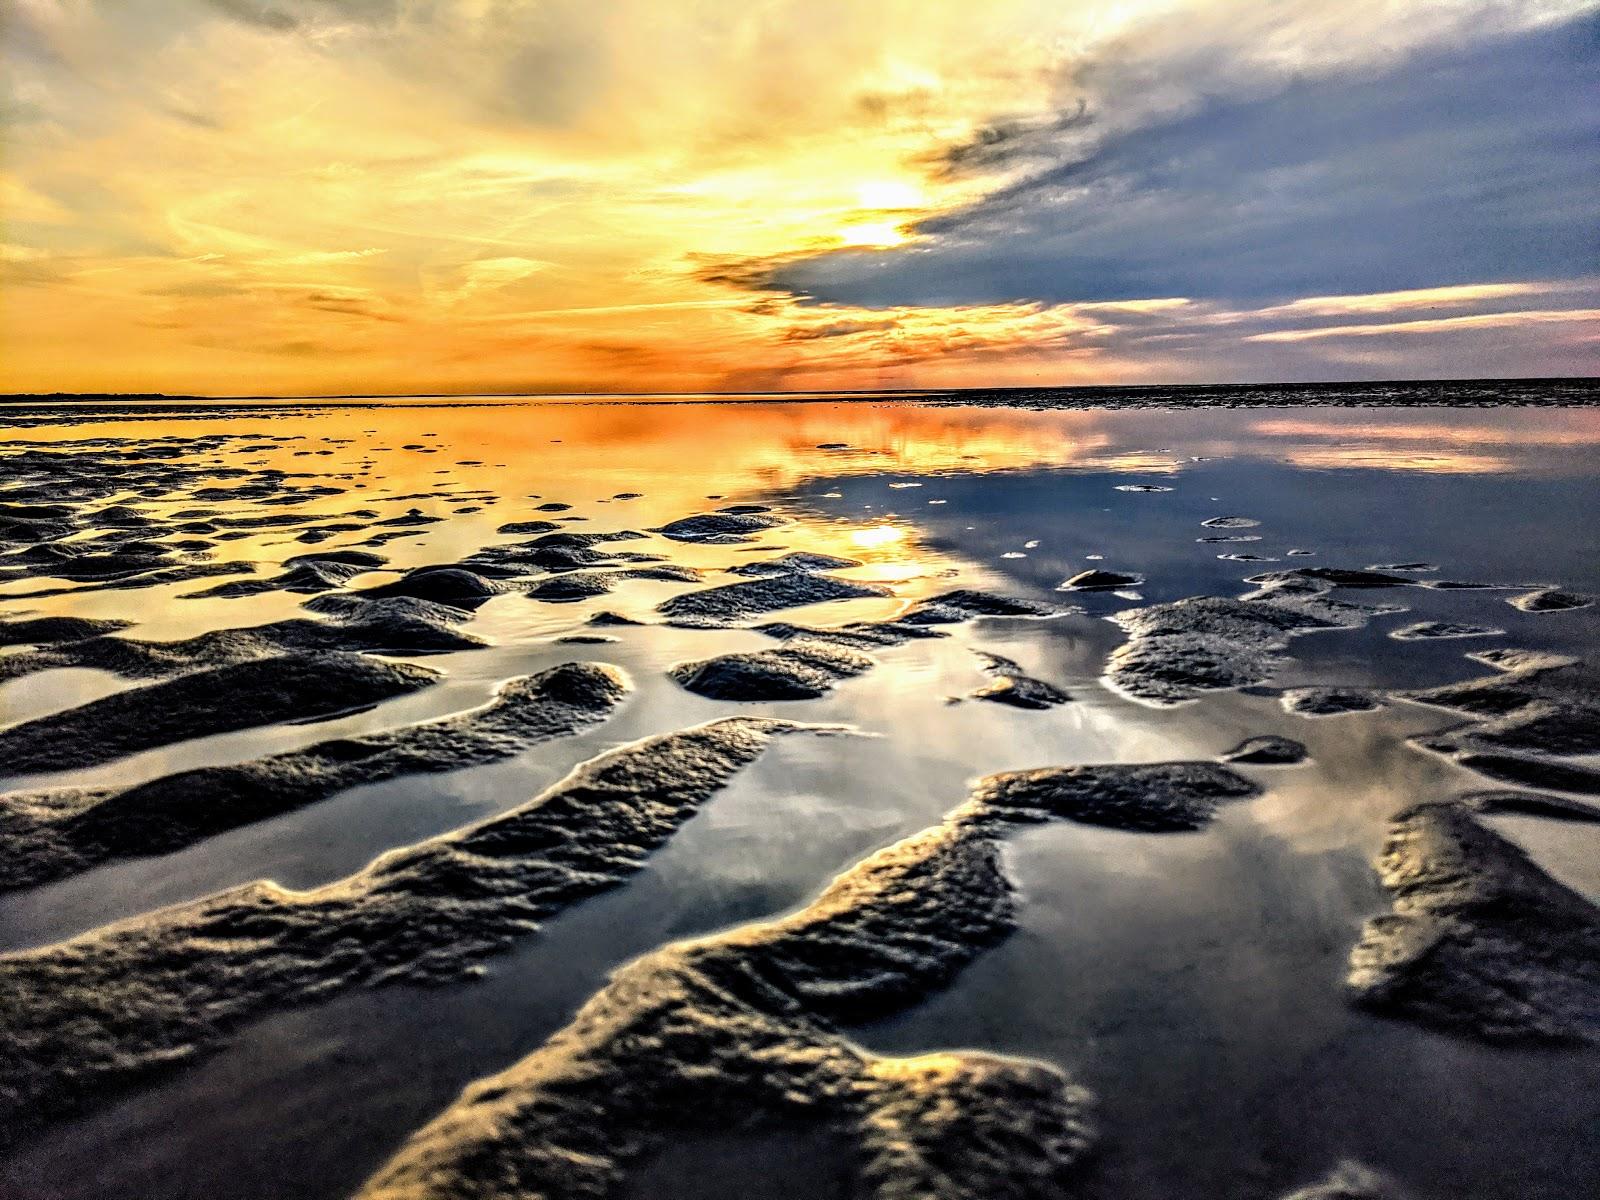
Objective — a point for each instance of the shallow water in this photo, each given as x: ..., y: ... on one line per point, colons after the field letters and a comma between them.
x: 1192, y: 982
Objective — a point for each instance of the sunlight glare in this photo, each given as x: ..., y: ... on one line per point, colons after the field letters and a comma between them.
x: 872, y: 233
x: 877, y: 535
x: 889, y: 193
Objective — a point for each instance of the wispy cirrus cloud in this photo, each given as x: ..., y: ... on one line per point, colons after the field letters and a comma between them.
x: 1521, y: 320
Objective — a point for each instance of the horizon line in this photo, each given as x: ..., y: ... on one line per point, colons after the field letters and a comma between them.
x: 15, y: 397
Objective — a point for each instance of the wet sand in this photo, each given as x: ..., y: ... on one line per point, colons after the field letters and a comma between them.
x: 1111, y: 859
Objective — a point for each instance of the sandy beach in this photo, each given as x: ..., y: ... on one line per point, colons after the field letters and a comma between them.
x: 889, y: 797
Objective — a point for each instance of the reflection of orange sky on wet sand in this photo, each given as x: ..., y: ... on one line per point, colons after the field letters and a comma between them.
x: 684, y: 449
x: 774, y: 446
x: 1477, y: 442
x: 678, y: 452
x: 687, y: 458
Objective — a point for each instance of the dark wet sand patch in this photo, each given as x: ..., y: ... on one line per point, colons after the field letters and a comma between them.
x: 349, y: 558
x: 87, y: 1016
x: 1529, y: 720
x: 1330, y: 701
x: 583, y: 585
x: 606, y: 618
x: 718, y: 528
x: 799, y: 670
x: 1177, y: 651
x: 1481, y: 942
x: 308, y: 576
x: 49, y: 631
x: 1014, y: 687
x: 1339, y: 577
x: 181, y: 573
x: 409, y: 518
x: 796, y: 562
x: 563, y: 550
x: 1443, y: 630
x: 1530, y: 771
x: 291, y: 687
x: 1548, y: 600
x: 966, y: 604
x: 121, y: 546
x: 391, y: 535
x: 454, y: 586
x: 1267, y: 750
x: 391, y: 626
x: 572, y: 587
x: 858, y: 635
x: 1533, y: 804
x: 83, y: 563
x: 918, y: 622
x: 732, y: 602
x: 727, y: 1030
x: 1098, y: 581
x: 534, y: 526
x: 54, y: 834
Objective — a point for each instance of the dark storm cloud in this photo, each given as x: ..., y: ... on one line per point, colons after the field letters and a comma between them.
x: 1000, y: 143
x: 1470, y: 165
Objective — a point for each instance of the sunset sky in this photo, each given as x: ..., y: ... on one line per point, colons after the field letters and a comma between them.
x: 384, y: 196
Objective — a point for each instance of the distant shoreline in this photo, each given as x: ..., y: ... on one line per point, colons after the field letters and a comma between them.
x: 1558, y: 391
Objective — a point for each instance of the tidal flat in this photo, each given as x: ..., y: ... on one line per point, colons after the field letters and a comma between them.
x: 894, y: 797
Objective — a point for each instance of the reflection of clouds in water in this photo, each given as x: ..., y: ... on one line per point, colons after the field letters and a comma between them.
x: 33, y: 696
x: 1568, y: 850
x: 1383, y: 458
x: 1360, y: 774
x: 1533, y: 427
x: 1483, y: 441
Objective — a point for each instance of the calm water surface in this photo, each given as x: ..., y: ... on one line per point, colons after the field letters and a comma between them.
x: 1192, y: 982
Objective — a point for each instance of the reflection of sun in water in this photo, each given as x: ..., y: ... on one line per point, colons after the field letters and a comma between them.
x: 877, y: 535
x: 893, y: 572
x: 899, y: 567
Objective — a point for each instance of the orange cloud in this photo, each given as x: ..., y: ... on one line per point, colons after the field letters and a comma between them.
x: 1499, y: 320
